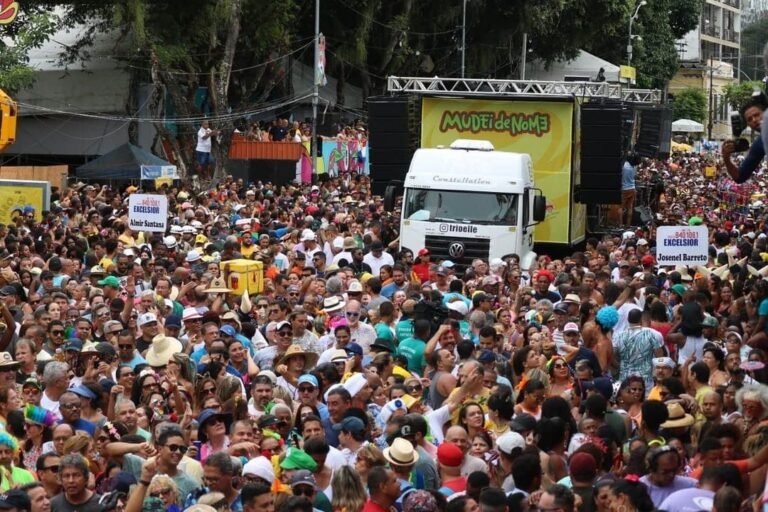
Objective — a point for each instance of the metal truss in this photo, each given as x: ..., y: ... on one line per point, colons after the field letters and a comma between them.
x: 489, y: 87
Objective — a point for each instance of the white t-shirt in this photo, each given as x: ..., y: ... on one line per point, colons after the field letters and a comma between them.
x: 376, y: 263
x: 203, y: 144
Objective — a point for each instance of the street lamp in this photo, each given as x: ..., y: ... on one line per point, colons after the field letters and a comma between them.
x: 629, y: 40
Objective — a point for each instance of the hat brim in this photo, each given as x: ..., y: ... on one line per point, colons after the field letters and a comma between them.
x: 310, y: 358
x: 226, y: 418
x: 337, y: 307
x: 685, y: 421
x: 392, y: 460
x: 218, y: 290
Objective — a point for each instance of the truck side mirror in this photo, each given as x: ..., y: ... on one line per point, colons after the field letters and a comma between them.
x: 390, y: 196
x: 539, y: 208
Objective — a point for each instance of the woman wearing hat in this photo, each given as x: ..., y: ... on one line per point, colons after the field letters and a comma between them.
x: 291, y: 366
x: 212, y: 432
x: 38, y: 423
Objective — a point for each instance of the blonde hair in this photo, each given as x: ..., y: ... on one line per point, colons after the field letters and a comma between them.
x: 372, y: 455
x: 159, y: 482
x: 78, y: 443
x: 348, y: 491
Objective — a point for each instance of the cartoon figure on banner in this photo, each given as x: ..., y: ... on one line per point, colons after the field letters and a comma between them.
x: 337, y: 162
x: 8, y: 11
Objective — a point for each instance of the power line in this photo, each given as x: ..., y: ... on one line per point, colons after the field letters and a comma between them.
x: 391, y: 27
x: 238, y: 70
x: 178, y: 120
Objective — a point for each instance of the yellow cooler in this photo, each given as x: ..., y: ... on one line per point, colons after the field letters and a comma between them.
x: 243, y: 276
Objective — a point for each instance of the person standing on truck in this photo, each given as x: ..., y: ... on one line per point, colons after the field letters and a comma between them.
x: 628, y: 191
x: 752, y: 112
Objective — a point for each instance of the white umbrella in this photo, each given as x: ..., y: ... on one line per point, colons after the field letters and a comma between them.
x: 687, y: 125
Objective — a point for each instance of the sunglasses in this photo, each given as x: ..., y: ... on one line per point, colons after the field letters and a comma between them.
x: 560, y: 365
x: 177, y: 448
x: 308, y: 389
x: 308, y: 492
x: 412, y: 389
x: 114, y: 333
x: 161, y: 492
x: 52, y: 469
x: 57, y: 333
x: 125, y: 347
x: 352, y: 313
x: 284, y: 333
x: 210, y: 391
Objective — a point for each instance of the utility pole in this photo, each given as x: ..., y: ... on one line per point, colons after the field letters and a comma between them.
x: 711, y: 111
x: 316, y: 89
x: 629, y: 39
x: 463, y: 37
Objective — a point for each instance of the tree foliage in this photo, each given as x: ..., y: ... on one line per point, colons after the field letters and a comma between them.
x: 30, y: 30
x: 690, y: 103
x: 737, y: 94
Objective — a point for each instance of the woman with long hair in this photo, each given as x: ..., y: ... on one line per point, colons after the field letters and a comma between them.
x: 500, y: 412
x: 715, y: 360
x: 91, y: 408
x: 472, y: 418
x: 560, y: 379
x: 630, y: 495
x: 530, y: 398
x: 38, y: 426
x: 368, y: 457
x: 144, y: 386
x: 204, y: 389
x: 182, y: 369
x: 630, y: 398
x: 348, y: 491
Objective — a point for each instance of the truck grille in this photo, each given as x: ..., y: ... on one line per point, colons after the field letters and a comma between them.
x: 439, y: 247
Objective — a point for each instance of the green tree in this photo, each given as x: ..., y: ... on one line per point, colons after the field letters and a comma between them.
x: 690, y: 103
x: 738, y: 94
x: 30, y: 30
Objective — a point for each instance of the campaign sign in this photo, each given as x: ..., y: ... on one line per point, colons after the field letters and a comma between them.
x: 682, y: 245
x: 148, y: 212
x: 151, y: 172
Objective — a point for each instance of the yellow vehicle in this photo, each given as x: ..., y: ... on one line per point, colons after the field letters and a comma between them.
x: 8, y: 112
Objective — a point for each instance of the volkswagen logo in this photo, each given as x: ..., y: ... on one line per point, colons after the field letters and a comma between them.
x: 456, y: 250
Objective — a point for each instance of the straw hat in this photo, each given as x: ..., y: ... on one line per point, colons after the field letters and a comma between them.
x: 333, y: 303
x: 162, y: 349
x: 401, y: 453
x: 217, y: 286
x: 677, y: 417
x: 310, y: 358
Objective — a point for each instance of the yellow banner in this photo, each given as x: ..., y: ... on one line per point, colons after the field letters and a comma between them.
x: 13, y: 200
x: 542, y: 129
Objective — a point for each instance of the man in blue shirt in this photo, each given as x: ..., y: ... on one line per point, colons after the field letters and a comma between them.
x: 752, y: 112
x: 628, y: 188
x: 69, y: 406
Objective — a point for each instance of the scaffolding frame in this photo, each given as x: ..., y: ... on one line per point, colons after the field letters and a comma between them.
x: 465, y: 87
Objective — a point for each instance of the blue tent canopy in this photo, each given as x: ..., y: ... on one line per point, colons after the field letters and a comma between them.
x: 122, y: 163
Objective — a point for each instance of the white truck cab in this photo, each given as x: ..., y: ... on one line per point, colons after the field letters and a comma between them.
x: 470, y: 201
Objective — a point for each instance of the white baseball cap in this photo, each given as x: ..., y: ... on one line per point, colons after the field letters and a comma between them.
x: 146, y: 318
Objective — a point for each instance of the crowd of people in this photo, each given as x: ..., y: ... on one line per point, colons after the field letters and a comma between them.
x: 136, y: 374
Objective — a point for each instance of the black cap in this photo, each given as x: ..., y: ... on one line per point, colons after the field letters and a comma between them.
x: 523, y: 423
x: 15, y: 499
x: 8, y: 290
x: 269, y: 420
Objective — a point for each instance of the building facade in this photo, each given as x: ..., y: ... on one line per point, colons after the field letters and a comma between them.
x: 709, y: 59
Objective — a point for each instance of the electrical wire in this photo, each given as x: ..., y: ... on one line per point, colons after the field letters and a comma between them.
x: 178, y: 120
x: 237, y: 70
x: 391, y: 27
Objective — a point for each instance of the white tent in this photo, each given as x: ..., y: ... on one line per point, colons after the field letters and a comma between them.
x: 687, y: 125
x: 584, y: 68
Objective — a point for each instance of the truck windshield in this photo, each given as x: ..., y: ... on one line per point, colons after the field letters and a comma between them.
x: 460, y: 206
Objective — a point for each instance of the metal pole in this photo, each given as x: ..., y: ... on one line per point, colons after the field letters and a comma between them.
x: 316, y: 89
x: 463, y: 37
x: 629, y: 43
x: 525, y: 55
x: 711, y: 77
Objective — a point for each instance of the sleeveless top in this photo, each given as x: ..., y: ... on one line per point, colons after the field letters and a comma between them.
x: 435, y: 398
